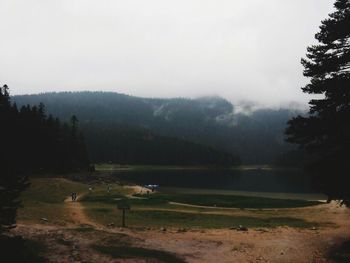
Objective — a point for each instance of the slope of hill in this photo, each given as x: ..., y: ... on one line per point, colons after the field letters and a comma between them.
x: 129, y: 145
x: 256, y: 137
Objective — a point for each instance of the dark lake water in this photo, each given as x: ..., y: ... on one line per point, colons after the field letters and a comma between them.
x: 253, y: 180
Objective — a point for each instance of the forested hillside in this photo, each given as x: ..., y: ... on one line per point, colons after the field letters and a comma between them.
x: 32, y: 141
x: 128, y: 145
x: 256, y: 137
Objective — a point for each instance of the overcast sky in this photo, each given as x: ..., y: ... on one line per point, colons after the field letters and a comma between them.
x: 238, y: 49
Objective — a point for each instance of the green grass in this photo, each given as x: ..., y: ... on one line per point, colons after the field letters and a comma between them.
x: 33, y: 212
x: 51, y: 190
x: 227, y: 201
x: 107, y: 167
x: 232, y: 201
x: 167, y: 218
x: 273, y: 195
x: 45, y: 198
x: 155, y: 210
x: 102, y: 197
x: 116, y: 167
x: 56, y: 190
x: 124, y: 252
x: 202, y: 220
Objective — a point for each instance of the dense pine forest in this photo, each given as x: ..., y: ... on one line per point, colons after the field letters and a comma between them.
x: 122, y: 128
x: 39, y: 142
x: 130, y: 145
x: 32, y: 141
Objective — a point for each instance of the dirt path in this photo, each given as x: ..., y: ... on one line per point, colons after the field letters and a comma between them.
x: 278, y: 245
x: 76, y: 211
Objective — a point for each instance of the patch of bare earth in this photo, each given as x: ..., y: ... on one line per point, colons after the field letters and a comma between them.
x: 280, y: 245
x: 283, y: 244
x: 76, y: 213
x: 69, y: 245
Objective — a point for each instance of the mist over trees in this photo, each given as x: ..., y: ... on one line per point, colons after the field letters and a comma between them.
x: 255, y: 137
x: 325, y: 133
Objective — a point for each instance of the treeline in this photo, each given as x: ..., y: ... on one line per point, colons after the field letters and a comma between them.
x: 34, y: 142
x: 31, y: 143
x: 257, y: 137
x: 129, y: 145
x: 40, y: 143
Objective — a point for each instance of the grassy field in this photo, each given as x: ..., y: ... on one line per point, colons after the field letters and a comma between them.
x: 227, y: 201
x: 117, y: 167
x: 136, y: 217
x: 213, y: 200
x: 156, y: 210
x: 45, y: 199
x: 90, y: 228
x: 273, y: 195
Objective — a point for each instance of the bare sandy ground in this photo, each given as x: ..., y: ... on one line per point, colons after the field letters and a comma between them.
x: 76, y: 211
x: 278, y: 245
x: 137, y: 189
x: 282, y: 244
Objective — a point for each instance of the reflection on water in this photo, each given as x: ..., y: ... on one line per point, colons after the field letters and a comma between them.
x: 257, y: 180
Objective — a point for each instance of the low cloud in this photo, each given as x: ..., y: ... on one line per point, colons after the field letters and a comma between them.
x: 241, y: 50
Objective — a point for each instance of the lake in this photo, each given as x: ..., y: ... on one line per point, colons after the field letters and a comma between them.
x: 272, y: 182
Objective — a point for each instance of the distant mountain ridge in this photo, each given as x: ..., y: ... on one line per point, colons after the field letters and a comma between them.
x: 257, y: 137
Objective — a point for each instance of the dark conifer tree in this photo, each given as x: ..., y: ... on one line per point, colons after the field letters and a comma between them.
x: 74, y: 125
x: 325, y: 133
x: 11, y: 183
x: 31, y: 143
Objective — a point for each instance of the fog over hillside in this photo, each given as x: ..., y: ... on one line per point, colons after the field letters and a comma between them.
x: 254, y: 134
x: 241, y: 50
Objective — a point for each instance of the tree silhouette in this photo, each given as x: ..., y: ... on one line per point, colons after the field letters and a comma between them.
x: 32, y: 143
x: 74, y: 125
x: 11, y: 183
x: 325, y: 132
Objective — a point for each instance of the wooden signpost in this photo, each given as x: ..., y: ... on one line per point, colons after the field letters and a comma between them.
x: 122, y: 205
